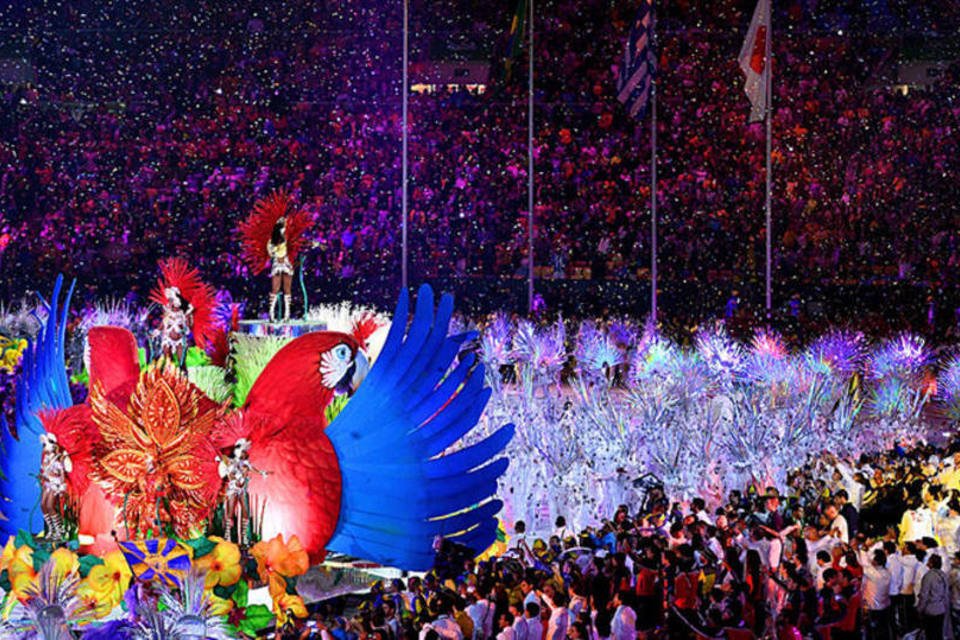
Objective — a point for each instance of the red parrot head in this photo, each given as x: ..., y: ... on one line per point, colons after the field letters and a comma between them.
x: 302, y: 379
x: 343, y: 368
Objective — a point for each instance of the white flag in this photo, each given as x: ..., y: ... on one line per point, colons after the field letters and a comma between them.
x: 753, y: 60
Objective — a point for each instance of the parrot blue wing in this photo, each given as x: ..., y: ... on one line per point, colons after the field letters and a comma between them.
x: 399, y: 491
x: 41, y: 384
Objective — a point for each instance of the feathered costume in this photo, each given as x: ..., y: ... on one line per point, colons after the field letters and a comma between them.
x: 41, y: 385
x: 255, y: 233
x: 378, y: 482
x: 175, y: 273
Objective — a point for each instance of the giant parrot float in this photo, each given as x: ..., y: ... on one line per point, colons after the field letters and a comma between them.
x: 380, y: 482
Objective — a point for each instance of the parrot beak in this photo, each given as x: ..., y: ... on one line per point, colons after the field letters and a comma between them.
x: 360, y: 371
x: 354, y: 375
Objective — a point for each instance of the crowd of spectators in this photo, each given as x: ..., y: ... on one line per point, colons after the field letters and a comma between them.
x: 851, y: 549
x: 152, y: 127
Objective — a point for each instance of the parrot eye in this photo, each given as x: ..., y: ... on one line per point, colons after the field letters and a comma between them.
x: 335, y: 364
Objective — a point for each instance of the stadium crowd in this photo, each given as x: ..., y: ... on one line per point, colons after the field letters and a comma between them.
x: 138, y: 140
x: 852, y: 548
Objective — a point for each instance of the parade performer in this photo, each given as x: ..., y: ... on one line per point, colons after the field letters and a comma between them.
x: 272, y: 235
x: 54, y: 467
x: 188, y: 305
x: 235, y: 470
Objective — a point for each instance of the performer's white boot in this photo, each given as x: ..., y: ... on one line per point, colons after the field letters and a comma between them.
x: 273, y: 307
x: 286, y: 308
x: 54, y: 524
x: 244, y: 532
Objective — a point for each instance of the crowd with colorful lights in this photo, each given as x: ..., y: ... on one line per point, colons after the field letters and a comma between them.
x: 145, y: 142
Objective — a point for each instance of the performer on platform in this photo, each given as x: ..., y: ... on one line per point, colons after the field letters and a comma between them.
x: 55, y: 464
x: 176, y: 323
x: 272, y: 235
x: 188, y: 304
x: 281, y: 270
x: 235, y: 471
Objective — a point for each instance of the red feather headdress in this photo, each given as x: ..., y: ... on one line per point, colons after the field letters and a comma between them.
x: 256, y: 230
x: 364, y: 327
x: 77, y: 434
x: 175, y: 272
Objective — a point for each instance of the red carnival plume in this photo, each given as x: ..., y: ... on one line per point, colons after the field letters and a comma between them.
x: 175, y: 272
x: 256, y: 230
x: 364, y: 327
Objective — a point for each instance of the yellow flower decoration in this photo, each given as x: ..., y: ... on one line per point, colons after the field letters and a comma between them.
x: 106, y: 583
x: 10, y: 353
x: 65, y: 562
x: 222, y: 565
x: 220, y: 606
x: 288, y: 606
x: 7, y: 555
x: 21, y: 572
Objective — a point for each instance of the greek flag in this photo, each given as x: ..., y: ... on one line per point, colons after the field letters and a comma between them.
x: 639, y: 63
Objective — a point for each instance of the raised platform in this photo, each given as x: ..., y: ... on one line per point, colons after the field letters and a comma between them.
x: 289, y: 328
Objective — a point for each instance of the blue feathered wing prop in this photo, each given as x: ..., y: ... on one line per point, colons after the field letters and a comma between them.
x: 42, y: 384
x: 399, y: 492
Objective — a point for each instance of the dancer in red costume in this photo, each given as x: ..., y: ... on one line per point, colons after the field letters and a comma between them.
x: 273, y: 235
x: 54, y: 467
x: 188, y: 304
x: 235, y: 470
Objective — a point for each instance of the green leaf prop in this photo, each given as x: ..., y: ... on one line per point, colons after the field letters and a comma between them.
x: 200, y: 546
x: 40, y: 557
x: 87, y: 563
x: 196, y: 358
x: 242, y: 593
x: 258, y: 618
x: 24, y: 538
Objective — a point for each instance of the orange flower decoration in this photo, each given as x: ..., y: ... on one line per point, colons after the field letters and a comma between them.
x: 277, y: 561
x: 158, y: 452
x: 288, y: 606
x: 284, y: 559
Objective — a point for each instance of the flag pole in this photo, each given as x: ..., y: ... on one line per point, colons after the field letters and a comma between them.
x: 653, y: 172
x: 768, y: 55
x: 405, y: 135
x: 530, y: 194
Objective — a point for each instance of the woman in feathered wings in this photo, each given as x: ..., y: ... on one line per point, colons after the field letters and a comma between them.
x: 273, y: 235
x: 188, y: 304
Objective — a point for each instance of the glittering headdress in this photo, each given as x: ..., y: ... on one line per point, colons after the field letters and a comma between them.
x: 177, y: 275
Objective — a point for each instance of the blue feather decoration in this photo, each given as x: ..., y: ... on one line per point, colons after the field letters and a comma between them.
x: 400, y: 491
x: 42, y: 384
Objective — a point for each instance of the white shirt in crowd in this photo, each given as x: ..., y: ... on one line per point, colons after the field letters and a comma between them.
x: 481, y: 612
x: 854, y: 489
x: 895, y: 566
x: 520, y: 629
x: 563, y: 533
x: 624, y: 624
x: 534, y: 628
x: 909, y: 564
x: 839, y: 524
x: 507, y: 633
x: 558, y: 623
x: 876, y: 583
x: 445, y: 626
